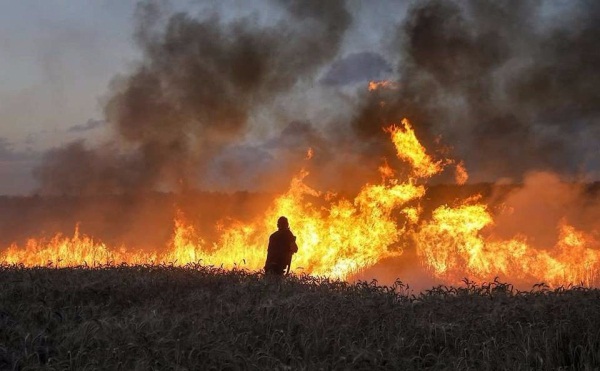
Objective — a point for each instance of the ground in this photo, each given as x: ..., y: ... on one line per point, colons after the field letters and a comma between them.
x: 205, y: 318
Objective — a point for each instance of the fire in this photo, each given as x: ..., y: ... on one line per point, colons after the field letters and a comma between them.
x: 461, y: 175
x: 344, y: 238
x: 339, y: 237
x: 386, y: 171
x: 409, y: 148
x: 453, y: 246
x: 337, y: 241
x: 383, y: 84
x: 451, y: 236
x: 61, y: 251
x: 309, y: 154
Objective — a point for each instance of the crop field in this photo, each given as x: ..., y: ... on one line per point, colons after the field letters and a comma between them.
x: 161, y: 317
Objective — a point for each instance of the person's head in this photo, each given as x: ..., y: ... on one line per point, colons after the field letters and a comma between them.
x: 282, y: 223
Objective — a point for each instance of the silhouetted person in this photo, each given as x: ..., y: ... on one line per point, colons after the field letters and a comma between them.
x: 282, y: 245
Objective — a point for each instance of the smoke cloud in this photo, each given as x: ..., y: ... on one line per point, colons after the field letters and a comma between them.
x: 15, y: 166
x: 357, y: 68
x: 193, y: 93
x: 511, y: 85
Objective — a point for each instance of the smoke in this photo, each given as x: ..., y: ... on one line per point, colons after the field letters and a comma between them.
x: 91, y: 124
x: 15, y: 167
x: 193, y: 94
x: 511, y: 85
x: 544, y: 203
x: 78, y: 170
x: 357, y: 68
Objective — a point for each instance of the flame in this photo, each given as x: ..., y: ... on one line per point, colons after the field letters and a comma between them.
x: 386, y: 171
x: 337, y: 241
x: 61, y: 251
x: 344, y: 238
x: 409, y: 148
x: 461, y: 175
x: 382, y: 84
x: 453, y: 246
x: 309, y: 154
x: 339, y: 237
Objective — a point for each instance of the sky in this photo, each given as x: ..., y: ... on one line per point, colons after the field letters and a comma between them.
x: 55, y: 63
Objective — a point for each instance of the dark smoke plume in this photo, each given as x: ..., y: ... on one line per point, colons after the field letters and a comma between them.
x: 357, y: 68
x: 193, y: 94
x: 512, y: 85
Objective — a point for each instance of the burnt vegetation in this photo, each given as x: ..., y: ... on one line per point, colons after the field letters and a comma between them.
x: 197, y: 317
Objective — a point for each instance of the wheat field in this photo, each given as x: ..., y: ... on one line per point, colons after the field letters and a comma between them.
x: 162, y: 317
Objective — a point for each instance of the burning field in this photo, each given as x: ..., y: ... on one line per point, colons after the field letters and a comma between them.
x: 438, y: 162
x: 348, y: 146
x: 385, y: 222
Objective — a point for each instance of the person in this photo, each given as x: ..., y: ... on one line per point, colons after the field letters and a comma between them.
x: 282, y: 245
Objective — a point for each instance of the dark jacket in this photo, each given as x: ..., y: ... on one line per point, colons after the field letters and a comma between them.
x: 282, y: 244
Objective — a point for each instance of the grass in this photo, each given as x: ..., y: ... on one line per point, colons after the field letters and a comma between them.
x: 204, y: 318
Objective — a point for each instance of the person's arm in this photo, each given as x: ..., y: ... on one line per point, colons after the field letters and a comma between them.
x: 293, y: 245
x: 293, y: 248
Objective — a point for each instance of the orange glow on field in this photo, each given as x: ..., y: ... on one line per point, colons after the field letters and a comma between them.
x: 339, y: 236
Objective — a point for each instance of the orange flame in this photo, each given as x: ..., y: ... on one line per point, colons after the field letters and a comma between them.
x: 409, y: 149
x: 382, y: 84
x: 461, y: 175
x: 309, y: 154
x: 386, y: 171
x: 77, y: 250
